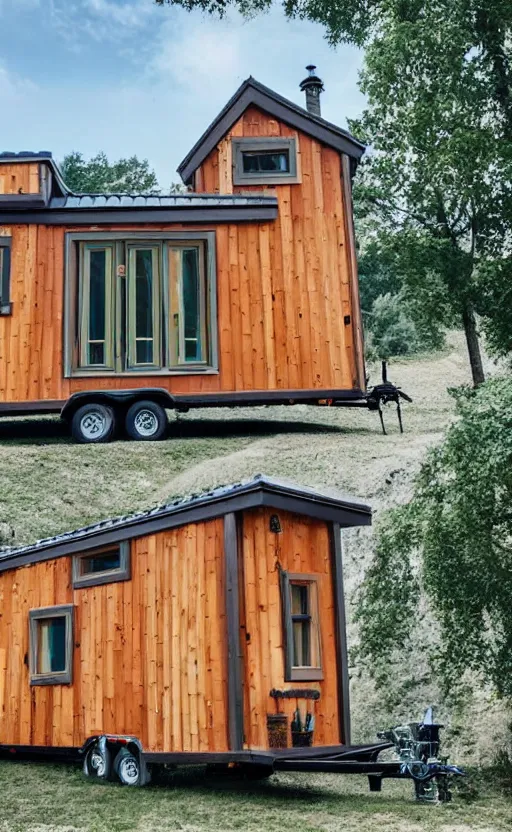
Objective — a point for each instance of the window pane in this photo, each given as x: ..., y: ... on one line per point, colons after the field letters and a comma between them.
x: 98, y: 268
x: 100, y: 563
x: 51, y: 651
x: 266, y: 162
x: 301, y: 644
x: 192, y: 304
x: 144, y: 293
x: 300, y: 604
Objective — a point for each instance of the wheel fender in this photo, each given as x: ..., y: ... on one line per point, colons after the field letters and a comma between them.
x: 117, y: 399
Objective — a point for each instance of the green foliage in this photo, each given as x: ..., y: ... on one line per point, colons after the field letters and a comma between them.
x: 389, y: 330
x: 99, y: 176
x: 494, y: 281
x: 454, y: 540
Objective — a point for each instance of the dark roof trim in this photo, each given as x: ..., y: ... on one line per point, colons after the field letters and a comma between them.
x: 17, y: 202
x: 41, y: 157
x: 214, y: 213
x: 251, y: 92
x: 261, y: 491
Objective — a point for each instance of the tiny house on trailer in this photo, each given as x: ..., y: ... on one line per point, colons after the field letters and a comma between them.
x: 210, y: 630
x: 241, y: 292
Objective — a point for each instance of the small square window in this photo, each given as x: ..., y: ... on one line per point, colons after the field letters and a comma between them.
x: 102, y: 566
x: 267, y: 161
x: 302, y: 628
x: 51, y: 645
x: 5, y: 275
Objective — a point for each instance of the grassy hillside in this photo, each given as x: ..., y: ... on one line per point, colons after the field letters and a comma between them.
x: 48, y: 485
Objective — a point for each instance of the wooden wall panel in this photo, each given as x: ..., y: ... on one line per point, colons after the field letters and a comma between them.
x: 284, y: 290
x: 19, y: 178
x: 303, y: 546
x: 150, y: 653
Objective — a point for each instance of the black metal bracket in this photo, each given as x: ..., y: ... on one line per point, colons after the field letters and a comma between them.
x: 384, y: 393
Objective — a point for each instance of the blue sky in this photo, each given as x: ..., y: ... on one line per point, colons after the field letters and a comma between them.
x: 127, y: 77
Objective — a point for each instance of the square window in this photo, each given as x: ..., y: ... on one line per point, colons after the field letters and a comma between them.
x: 102, y: 566
x: 5, y: 275
x: 269, y: 161
x: 302, y: 627
x: 51, y: 645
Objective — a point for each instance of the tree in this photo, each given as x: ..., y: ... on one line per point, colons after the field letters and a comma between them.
x: 98, y: 175
x: 438, y: 76
x: 452, y: 542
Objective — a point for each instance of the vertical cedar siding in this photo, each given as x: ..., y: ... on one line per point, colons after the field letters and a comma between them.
x: 303, y: 547
x: 283, y: 288
x: 150, y: 653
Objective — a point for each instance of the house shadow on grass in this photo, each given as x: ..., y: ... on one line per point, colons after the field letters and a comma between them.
x: 51, y: 430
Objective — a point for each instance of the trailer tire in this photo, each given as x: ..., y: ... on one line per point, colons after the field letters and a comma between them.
x: 93, y: 423
x: 146, y: 421
x: 127, y: 766
x: 98, y: 762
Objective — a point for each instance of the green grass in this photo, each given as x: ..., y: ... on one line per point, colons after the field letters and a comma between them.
x: 48, y: 485
x: 50, y: 798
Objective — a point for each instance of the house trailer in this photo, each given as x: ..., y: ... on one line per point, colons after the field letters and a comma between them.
x: 242, y: 291
x: 210, y: 630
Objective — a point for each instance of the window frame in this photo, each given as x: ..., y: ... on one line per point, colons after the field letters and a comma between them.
x: 121, y: 240
x: 159, y: 351
x: 271, y: 144
x: 64, y: 677
x: 84, y: 291
x: 5, y: 275
x: 109, y: 576
x: 175, y: 301
x: 294, y: 673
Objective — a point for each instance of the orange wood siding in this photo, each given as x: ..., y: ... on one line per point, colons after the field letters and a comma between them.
x: 314, y: 270
x: 303, y: 546
x: 150, y: 653
x: 19, y: 179
x: 284, y: 289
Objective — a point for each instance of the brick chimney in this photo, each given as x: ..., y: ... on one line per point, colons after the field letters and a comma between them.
x: 312, y: 86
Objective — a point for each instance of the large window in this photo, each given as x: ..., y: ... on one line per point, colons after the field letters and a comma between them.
x: 5, y: 275
x: 269, y: 161
x: 140, y: 305
x: 51, y: 645
x: 102, y: 566
x: 302, y: 627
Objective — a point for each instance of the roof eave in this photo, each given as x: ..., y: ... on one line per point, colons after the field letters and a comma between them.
x: 253, y: 93
x: 257, y: 493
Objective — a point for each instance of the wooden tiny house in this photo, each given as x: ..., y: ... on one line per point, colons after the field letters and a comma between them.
x: 243, y: 291
x: 208, y: 630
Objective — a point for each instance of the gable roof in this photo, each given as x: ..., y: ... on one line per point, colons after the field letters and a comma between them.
x: 251, y: 92
x: 260, y: 491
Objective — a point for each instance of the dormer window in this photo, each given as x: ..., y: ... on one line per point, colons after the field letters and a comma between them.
x: 269, y: 161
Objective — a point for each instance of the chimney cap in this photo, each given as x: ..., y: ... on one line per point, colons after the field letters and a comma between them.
x: 312, y: 80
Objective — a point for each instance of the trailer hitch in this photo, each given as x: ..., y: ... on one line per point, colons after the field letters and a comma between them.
x: 383, y: 393
x: 417, y: 746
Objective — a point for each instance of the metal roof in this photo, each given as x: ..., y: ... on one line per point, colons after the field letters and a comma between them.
x: 82, y: 202
x: 251, y: 92
x: 261, y: 490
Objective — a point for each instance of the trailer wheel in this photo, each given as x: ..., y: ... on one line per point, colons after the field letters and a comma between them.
x: 98, y: 762
x: 93, y: 423
x: 128, y: 768
x: 146, y: 421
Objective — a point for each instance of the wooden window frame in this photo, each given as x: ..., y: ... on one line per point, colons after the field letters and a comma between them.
x: 5, y: 275
x: 83, y: 310
x: 131, y: 307
x: 264, y: 145
x: 64, y: 677
x: 121, y: 242
x: 292, y: 673
x: 175, y: 300
x: 109, y: 576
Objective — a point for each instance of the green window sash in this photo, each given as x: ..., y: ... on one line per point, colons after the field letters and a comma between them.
x: 144, y: 305
x: 96, y: 306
